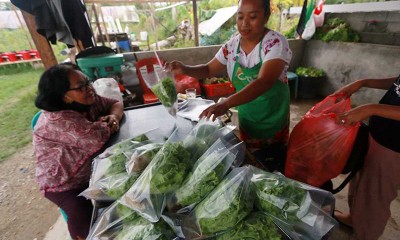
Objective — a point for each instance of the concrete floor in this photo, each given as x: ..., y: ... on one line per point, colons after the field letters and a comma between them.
x: 298, y: 108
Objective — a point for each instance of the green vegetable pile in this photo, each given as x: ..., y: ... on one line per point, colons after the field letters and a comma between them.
x: 124, y: 145
x: 171, y: 165
x: 142, y: 157
x: 139, y: 229
x: 215, y: 80
x: 127, y: 214
x: 165, y: 91
x: 202, y: 137
x: 277, y: 196
x: 207, y: 174
x: 336, y: 29
x: 309, y: 72
x: 120, y: 184
x: 226, y: 205
x: 257, y: 226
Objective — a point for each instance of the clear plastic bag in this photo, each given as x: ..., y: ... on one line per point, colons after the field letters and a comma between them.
x: 207, y: 173
x: 123, y: 145
x: 162, y: 84
x: 229, y: 203
x: 318, y: 147
x: 304, y: 212
x: 119, y: 222
x: 141, y: 157
x: 164, y: 174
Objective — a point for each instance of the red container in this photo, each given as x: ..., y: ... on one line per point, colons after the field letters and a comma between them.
x: 25, y: 55
x: 12, y: 57
x: 219, y: 89
x: 34, y: 53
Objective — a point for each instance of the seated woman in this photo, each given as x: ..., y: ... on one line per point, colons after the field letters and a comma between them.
x: 74, y: 125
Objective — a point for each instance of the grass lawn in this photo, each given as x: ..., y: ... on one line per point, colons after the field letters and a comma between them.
x: 18, y: 87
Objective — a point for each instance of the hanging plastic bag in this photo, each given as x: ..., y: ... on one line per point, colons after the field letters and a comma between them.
x: 120, y: 222
x: 141, y: 157
x: 318, y: 147
x: 307, y: 209
x: 229, y: 203
x: 164, y: 174
x: 207, y: 173
x: 162, y: 84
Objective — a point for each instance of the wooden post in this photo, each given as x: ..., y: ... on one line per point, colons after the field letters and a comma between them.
x: 41, y: 43
x: 97, y: 24
x: 196, y: 24
x: 104, y: 24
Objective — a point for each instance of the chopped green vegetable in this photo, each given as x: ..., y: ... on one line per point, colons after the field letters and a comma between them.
x: 126, y: 213
x: 165, y: 91
x: 201, y: 139
x: 278, y: 196
x: 215, y: 80
x: 204, y: 178
x: 120, y: 184
x: 117, y: 164
x: 227, y: 204
x: 257, y: 226
x: 140, y: 228
x: 171, y: 165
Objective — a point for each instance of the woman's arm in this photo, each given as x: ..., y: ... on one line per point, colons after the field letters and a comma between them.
x: 114, y: 116
x: 365, y: 111
x: 212, y: 68
x: 384, y: 83
x: 268, y: 75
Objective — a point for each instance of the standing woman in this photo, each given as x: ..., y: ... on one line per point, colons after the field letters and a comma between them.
x: 74, y: 125
x: 256, y: 60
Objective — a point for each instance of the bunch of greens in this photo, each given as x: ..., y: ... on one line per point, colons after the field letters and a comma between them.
x: 125, y: 213
x: 206, y: 175
x: 124, y: 145
x: 165, y: 91
x: 120, y: 184
x: 309, y: 72
x: 200, y: 139
x: 336, y: 29
x: 139, y: 229
x: 142, y: 157
x: 171, y: 165
x: 117, y: 164
x: 227, y: 204
x: 256, y: 226
x: 278, y: 196
x: 215, y: 80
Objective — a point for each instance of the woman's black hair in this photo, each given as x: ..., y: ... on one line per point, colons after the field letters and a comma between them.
x: 266, y: 6
x: 53, y: 85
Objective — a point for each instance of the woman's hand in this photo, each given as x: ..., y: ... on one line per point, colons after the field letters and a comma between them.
x: 112, y: 122
x: 175, y: 66
x: 215, y: 110
x: 354, y: 116
x: 349, y: 89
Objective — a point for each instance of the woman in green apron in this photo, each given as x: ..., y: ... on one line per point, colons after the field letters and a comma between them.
x: 256, y: 61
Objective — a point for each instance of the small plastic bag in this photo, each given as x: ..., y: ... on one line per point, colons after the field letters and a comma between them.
x: 162, y: 84
x: 207, y: 173
x: 229, y: 203
x: 257, y: 225
x: 123, y: 145
x: 141, y: 157
x: 120, y: 222
x: 164, y: 174
x: 318, y: 147
x: 307, y: 210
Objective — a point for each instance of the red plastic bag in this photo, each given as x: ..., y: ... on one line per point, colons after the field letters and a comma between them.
x: 318, y: 147
x: 182, y: 82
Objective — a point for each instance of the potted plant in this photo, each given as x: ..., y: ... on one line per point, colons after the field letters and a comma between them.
x: 310, y: 80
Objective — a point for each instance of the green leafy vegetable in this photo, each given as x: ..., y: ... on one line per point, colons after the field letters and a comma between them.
x: 126, y: 213
x: 117, y: 164
x: 215, y: 80
x: 201, y: 139
x: 204, y: 178
x: 170, y: 168
x: 120, y: 184
x: 142, y: 157
x: 227, y: 205
x: 139, y: 229
x: 309, y: 72
x: 256, y: 226
x: 165, y: 91
x: 278, y: 196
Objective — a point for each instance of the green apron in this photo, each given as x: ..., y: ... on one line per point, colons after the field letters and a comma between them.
x: 267, y: 115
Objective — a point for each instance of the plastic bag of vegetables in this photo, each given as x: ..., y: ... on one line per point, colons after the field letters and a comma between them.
x: 229, y: 203
x: 164, y: 174
x: 123, y: 145
x: 307, y: 210
x: 207, y: 173
x: 141, y: 157
x: 255, y: 226
x: 121, y: 222
x: 162, y: 84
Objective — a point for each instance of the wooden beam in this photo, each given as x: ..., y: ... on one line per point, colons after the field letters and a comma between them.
x: 41, y: 43
x: 97, y: 24
x: 196, y: 24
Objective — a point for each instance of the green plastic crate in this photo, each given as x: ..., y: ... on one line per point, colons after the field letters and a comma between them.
x: 101, y: 65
